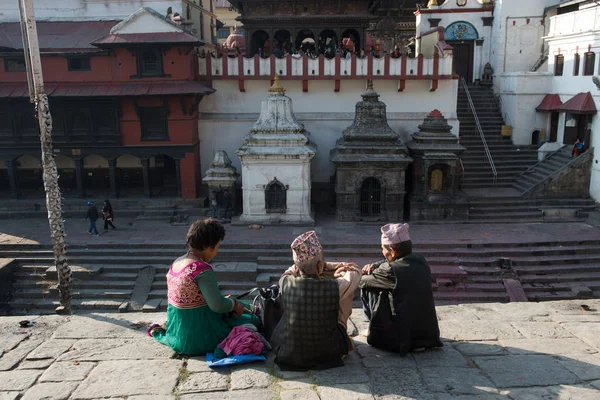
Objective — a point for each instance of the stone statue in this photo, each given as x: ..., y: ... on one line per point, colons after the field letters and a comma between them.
x: 488, y: 74
x: 596, y: 81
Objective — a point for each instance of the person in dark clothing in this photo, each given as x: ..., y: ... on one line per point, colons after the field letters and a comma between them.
x: 309, y: 335
x: 108, y: 215
x: 92, y: 215
x: 397, y: 296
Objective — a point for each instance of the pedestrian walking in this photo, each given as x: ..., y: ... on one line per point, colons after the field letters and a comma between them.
x: 108, y: 215
x: 92, y: 215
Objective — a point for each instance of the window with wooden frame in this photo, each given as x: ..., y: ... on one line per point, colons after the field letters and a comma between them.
x: 79, y: 64
x: 559, y: 65
x: 589, y: 62
x: 15, y: 64
x: 154, y: 123
x: 149, y: 62
x: 576, y: 60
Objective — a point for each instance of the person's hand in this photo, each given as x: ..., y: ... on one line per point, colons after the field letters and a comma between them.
x: 340, y: 271
x: 368, y: 269
x: 238, y: 309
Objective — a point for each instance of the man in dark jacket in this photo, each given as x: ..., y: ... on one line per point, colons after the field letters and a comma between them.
x: 92, y: 215
x: 397, y: 296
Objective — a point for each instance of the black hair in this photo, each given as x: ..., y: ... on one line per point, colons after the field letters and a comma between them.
x: 204, y: 233
x: 402, y: 249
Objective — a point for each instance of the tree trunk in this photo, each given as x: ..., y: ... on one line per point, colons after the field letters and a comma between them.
x: 50, y: 174
x: 54, y: 204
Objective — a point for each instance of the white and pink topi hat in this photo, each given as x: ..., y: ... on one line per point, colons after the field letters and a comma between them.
x: 394, y: 233
x: 306, y: 247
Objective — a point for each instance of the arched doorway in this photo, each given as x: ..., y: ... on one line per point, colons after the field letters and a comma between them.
x: 67, y: 179
x: 305, y: 39
x: 29, y: 175
x: 130, y: 179
x: 351, y: 35
x: 275, y: 197
x: 283, y: 43
x: 370, y: 197
x: 461, y: 35
x: 259, y: 42
x: 163, y: 176
x: 328, y: 39
x: 96, y: 175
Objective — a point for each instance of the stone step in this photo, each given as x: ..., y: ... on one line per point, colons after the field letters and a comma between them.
x: 557, y: 277
x: 472, y: 296
x: 565, y: 285
x: 556, y: 269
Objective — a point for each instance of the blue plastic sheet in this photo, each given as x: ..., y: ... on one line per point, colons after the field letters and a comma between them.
x: 231, y: 360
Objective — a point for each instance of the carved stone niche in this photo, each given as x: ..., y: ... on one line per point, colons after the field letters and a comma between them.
x: 221, y: 178
x: 435, y: 177
x: 276, y: 197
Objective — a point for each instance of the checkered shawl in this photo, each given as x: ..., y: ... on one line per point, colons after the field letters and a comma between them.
x: 308, y: 335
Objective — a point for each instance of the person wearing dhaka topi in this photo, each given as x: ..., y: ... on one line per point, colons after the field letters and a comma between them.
x: 312, y: 332
x: 199, y: 317
x: 397, y: 296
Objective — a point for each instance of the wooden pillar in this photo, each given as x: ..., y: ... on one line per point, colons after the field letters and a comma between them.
x: 178, y: 175
x: 79, y: 176
x: 146, y: 176
x: 13, y: 178
x: 112, y: 174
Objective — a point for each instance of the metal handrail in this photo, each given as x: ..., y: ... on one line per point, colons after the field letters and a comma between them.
x: 560, y: 170
x: 485, y: 145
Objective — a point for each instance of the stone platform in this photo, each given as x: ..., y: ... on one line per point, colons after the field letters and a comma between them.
x: 494, y: 351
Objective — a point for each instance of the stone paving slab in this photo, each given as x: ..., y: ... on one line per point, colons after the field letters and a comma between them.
x: 523, y: 355
x: 128, y: 378
x: 50, y: 391
x: 525, y: 370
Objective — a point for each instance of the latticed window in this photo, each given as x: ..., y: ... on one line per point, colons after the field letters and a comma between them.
x: 370, y: 197
x: 275, y: 197
x: 559, y: 64
x: 150, y: 62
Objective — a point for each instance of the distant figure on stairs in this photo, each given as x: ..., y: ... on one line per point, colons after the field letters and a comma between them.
x: 108, y: 214
x: 577, y: 148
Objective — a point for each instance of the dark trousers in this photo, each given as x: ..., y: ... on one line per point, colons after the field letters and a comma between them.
x: 369, y: 298
x: 108, y: 222
x: 93, y: 227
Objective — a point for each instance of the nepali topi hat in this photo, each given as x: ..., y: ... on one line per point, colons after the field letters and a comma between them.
x: 394, y: 233
x: 306, y: 247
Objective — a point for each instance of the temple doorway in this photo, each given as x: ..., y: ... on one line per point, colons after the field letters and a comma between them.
x: 370, y: 198
x: 461, y: 35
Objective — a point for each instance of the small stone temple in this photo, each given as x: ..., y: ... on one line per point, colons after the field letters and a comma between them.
x: 220, y: 179
x: 276, y: 157
x: 370, y: 161
x: 435, y: 171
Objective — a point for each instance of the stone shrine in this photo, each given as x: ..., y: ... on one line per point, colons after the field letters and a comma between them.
x: 370, y: 161
x: 276, y: 158
x: 434, y: 179
x: 220, y: 179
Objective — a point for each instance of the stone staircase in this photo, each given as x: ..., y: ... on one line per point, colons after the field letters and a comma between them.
x: 492, y: 210
x: 509, y: 160
x: 105, y: 276
x: 542, y: 170
x: 165, y: 209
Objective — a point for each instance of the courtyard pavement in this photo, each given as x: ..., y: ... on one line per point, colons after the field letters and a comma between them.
x: 491, y: 351
x: 330, y: 231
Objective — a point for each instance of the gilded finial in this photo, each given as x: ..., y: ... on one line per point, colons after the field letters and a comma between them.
x: 370, y: 84
x: 432, y: 3
x: 277, y: 88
